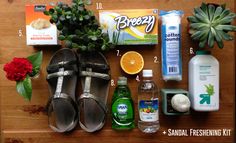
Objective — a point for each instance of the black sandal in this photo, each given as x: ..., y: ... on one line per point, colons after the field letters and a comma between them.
x: 95, y: 79
x: 62, y: 79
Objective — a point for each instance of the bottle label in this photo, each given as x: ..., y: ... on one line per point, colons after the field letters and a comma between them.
x: 122, y: 109
x: 148, y: 110
x: 208, y: 94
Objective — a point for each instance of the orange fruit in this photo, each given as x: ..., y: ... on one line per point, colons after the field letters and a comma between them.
x: 132, y: 62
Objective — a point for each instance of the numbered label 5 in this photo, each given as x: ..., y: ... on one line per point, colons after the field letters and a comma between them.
x: 20, y: 33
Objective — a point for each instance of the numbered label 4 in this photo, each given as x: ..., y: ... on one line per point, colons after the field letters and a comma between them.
x: 137, y: 78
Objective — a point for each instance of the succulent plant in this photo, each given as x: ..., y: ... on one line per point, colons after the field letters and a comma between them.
x: 211, y: 23
x: 78, y: 26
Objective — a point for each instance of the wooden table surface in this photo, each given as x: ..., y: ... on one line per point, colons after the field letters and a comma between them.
x: 26, y: 122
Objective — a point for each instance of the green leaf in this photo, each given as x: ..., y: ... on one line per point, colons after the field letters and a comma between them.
x: 24, y: 88
x: 217, y: 12
x: 68, y: 44
x: 210, y: 41
x: 205, y: 35
x: 51, y: 11
x: 80, y: 8
x: 224, y: 35
x: 218, y: 38
x: 46, y: 13
x: 83, y: 48
x: 58, y: 9
x: 223, y: 6
x: 36, y: 60
x: 224, y: 13
x: 192, y: 19
x: 61, y: 37
x: 94, y: 38
x: 201, y: 18
x: 59, y: 25
x: 226, y: 27
x: 74, y: 45
x: 202, y: 14
x: 199, y: 26
x: 202, y: 43
x: 211, y: 11
x: 88, y: 2
x: 204, y: 7
x: 197, y: 35
x: 55, y: 17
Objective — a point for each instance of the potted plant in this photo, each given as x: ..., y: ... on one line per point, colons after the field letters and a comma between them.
x: 78, y: 27
x: 211, y: 23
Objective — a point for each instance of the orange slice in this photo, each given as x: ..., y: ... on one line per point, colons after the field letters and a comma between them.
x: 132, y: 62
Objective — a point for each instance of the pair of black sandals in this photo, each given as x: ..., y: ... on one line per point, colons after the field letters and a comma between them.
x: 66, y: 109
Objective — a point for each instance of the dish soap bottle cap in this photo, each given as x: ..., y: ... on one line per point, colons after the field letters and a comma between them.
x: 180, y: 102
x: 147, y: 73
x: 122, y: 80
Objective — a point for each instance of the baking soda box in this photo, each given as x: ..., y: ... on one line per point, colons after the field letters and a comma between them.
x: 39, y: 30
x: 130, y: 27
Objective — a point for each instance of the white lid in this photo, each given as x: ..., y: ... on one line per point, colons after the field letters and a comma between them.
x: 147, y: 73
x: 180, y: 102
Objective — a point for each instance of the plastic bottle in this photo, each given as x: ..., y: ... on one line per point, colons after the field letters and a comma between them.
x: 148, y: 104
x: 204, y: 82
x: 122, y: 106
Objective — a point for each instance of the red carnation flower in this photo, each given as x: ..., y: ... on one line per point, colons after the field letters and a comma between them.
x: 18, y: 68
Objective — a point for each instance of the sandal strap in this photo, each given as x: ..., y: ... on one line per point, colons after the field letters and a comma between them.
x: 103, y: 107
x: 95, y: 74
x: 61, y: 73
x: 49, y: 108
x: 56, y: 66
x: 99, y: 66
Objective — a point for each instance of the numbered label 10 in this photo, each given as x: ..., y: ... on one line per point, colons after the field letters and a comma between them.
x: 99, y: 6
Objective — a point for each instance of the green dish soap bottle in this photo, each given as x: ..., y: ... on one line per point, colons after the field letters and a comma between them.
x: 122, y: 106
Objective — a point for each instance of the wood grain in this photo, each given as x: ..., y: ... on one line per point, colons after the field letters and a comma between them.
x: 26, y: 122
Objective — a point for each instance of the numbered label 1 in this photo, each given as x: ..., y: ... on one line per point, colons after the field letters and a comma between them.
x: 137, y: 78
x: 155, y: 60
x: 191, y: 51
x: 118, y: 53
x: 20, y: 33
x: 112, y: 82
x: 99, y: 5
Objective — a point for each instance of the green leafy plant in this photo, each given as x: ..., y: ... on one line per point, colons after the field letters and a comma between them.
x: 21, y: 70
x: 78, y: 27
x: 211, y: 23
x: 210, y: 89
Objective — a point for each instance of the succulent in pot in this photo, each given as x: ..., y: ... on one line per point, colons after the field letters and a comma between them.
x: 78, y: 27
x: 211, y: 23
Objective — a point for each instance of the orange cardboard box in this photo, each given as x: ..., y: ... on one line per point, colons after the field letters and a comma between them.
x: 39, y: 30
